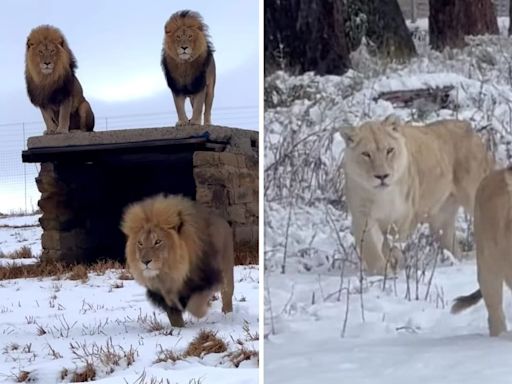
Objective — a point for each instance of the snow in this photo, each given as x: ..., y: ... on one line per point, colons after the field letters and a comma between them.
x: 19, y: 231
x: 399, y: 339
x: 393, y: 339
x: 80, y: 319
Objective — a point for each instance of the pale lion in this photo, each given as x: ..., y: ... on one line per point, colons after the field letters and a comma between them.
x: 51, y: 82
x: 181, y: 253
x: 188, y: 65
x: 493, y: 238
x: 399, y: 175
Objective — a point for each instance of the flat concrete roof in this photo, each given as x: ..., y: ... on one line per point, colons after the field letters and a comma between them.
x: 43, y: 148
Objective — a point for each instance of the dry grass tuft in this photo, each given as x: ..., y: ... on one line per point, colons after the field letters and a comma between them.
x: 165, y: 355
x: 103, y: 266
x: 41, y: 269
x: 243, y: 354
x: 124, y: 275
x: 24, y: 252
x: 23, y: 377
x: 204, y: 343
x: 246, y: 256
x: 150, y: 323
x: 87, y: 374
x: 79, y: 272
x: 55, y: 269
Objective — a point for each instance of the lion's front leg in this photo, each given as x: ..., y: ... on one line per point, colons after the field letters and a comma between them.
x: 175, y: 317
x: 369, y: 242
x: 208, y: 102
x: 197, y: 108
x: 179, y: 103
x: 64, y: 115
x: 49, y: 121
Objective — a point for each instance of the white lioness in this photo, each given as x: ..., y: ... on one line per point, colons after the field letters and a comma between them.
x: 493, y: 238
x: 398, y: 175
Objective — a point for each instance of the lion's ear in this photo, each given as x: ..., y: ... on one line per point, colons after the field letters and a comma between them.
x: 61, y: 43
x: 392, y: 121
x: 179, y: 226
x: 348, y: 134
x: 29, y: 43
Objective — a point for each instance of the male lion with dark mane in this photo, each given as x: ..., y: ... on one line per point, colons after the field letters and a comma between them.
x: 51, y: 82
x: 181, y: 253
x: 188, y: 65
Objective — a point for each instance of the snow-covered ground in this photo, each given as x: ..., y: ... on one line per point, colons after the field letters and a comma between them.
x: 52, y: 328
x: 17, y: 232
x: 399, y: 340
x: 387, y: 338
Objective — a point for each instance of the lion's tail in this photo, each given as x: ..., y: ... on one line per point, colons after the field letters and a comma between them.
x: 464, y: 302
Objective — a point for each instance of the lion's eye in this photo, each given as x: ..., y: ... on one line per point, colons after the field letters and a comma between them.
x: 390, y: 150
x: 366, y: 154
x: 158, y: 242
x: 41, y: 52
x: 139, y: 243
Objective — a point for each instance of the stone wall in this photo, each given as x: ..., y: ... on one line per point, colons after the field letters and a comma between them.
x: 228, y: 183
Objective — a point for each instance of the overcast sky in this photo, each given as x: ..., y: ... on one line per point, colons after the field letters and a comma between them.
x: 118, y: 46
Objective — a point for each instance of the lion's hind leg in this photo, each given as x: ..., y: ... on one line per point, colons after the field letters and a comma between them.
x: 86, y: 117
x: 199, y: 303
x: 442, y: 224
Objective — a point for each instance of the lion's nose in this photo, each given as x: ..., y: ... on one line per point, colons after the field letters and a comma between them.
x: 146, y: 262
x: 184, y: 48
x: 47, y: 63
x: 382, y: 177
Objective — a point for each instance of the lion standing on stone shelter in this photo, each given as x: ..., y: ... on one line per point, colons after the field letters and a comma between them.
x: 51, y: 82
x: 181, y: 253
x: 188, y: 65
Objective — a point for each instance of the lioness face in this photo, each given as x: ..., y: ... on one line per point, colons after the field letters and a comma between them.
x: 151, y: 250
x: 187, y: 44
x: 44, y: 54
x: 375, y: 154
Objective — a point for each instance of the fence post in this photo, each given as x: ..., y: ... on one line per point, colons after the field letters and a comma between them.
x: 24, y: 166
x: 414, y: 15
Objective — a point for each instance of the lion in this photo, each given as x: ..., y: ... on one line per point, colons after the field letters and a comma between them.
x: 189, y: 66
x: 399, y: 175
x: 51, y: 82
x: 493, y: 239
x: 181, y: 253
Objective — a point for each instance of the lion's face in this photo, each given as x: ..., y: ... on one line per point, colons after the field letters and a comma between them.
x: 186, y: 44
x: 153, y: 249
x: 375, y: 154
x: 46, y: 52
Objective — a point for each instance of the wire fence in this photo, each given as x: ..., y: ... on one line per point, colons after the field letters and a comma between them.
x: 18, y: 191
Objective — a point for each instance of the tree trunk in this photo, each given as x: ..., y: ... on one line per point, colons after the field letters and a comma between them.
x: 450, y: 20
x: 510, y: 19
x: 305, y: 35
x: 383, y: 24
x: 479, y: 17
